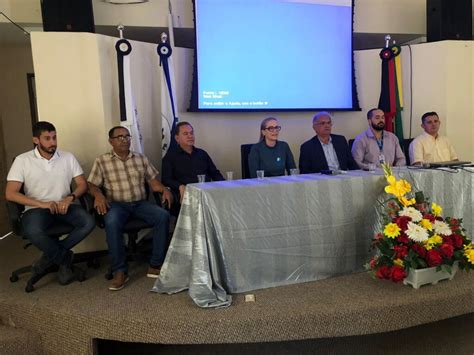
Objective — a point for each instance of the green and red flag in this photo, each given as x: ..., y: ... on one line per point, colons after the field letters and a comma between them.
x: 391, y: 94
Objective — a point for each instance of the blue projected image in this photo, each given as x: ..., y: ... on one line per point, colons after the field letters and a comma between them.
x: 274, y: 54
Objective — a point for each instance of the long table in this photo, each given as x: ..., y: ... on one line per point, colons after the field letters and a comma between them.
x: 242, y: 235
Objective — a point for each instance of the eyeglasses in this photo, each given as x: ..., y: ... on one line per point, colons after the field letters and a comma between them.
x: 273, y: 128
x: 121, y: 138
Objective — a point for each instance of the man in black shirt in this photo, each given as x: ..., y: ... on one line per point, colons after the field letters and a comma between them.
x: 182, y: 165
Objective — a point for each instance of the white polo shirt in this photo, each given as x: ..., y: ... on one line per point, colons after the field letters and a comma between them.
x: 43, y: 179
x: 428, y: 149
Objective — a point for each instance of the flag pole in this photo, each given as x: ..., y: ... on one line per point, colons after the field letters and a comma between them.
x: 387, y: 41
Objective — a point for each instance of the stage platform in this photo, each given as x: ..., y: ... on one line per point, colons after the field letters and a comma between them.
x: 68, y: 319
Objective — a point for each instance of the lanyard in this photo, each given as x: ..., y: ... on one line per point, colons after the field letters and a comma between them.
x: 380, y: 143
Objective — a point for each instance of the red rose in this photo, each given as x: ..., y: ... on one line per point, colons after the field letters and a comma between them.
x: 403, y: 238
x: 383, y: 272
x: 447, y: 240
x: 402, y: 222
x: 447, y: 250
x: 397, y: 273
x: 433, y: 257
x: 429, y: 217
x: 457, y: 241
x: 400, y: 251
x: 417, y: 248
x: 454, y: 222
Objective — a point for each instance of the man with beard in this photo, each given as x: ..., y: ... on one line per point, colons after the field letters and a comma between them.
x: 377, y: 146
x: 325, y: 151
x: 45, y: 174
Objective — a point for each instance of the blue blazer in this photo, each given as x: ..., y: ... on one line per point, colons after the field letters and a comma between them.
x: 313, y: 160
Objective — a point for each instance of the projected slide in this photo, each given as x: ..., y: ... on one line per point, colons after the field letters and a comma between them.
x: 274, y: 54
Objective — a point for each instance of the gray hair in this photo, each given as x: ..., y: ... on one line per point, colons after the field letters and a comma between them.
x: 321, y: 114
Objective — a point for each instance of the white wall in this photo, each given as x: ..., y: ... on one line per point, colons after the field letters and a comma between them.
x: 77, y: 85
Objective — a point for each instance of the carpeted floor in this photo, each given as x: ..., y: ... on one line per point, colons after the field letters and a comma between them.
x: 337, y: 315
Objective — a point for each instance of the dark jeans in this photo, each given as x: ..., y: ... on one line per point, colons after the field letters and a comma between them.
x: 36, y: 221
x: 117, y: 216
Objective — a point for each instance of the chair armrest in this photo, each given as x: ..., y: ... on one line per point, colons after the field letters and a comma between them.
x: 14, y: 211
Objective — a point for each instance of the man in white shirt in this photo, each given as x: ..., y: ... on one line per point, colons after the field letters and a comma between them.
x: 430, y: 147
x: 41, y: 181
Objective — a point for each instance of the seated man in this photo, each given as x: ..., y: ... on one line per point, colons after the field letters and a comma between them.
x: 375, y: 145
x: 122, y: 175
x: 45, y: 174
x: 325, y: 151
x: 430, y: 147
x: 182, y: 165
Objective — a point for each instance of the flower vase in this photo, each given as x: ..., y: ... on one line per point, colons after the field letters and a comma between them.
x: 421, y: 277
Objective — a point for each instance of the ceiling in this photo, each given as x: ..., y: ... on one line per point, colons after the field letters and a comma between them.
x: 10, y: 35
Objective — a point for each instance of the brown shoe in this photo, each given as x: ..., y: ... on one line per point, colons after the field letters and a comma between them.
x: 119, y: 281
x: 153, y: 272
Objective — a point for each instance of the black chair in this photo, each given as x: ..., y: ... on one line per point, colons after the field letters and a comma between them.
x: 351, y: 142
x: 406, y: 149
x: 14, y: 211
x: 244, y: 160
x: 131, y: 230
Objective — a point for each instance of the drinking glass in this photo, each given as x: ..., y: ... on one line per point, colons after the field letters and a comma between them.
x: 260, y: 174
x: 202, y: 178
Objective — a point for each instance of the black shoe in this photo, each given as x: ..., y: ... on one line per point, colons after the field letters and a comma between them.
x: 66, y: 274
x: 42, y: 265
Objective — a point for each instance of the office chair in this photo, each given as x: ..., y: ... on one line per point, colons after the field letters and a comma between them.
x: 244, y: 160
x: 131, y: 229
x: 406, y: 149
x: 14, y: 211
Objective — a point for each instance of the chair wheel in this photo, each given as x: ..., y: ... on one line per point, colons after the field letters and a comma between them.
x: 14, y: 278
x: 29, y: 288
x: 109, y: 275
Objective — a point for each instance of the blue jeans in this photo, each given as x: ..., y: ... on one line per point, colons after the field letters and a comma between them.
x: 117, y: 216
x: 36, y: 221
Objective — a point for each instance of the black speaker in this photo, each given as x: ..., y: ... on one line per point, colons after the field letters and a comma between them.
x: 448, y: 19
x: 67, y: 15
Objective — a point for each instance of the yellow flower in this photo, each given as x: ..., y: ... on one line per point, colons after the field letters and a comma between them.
x: 425, y: 223
x: 437, y: 210
x: 407, y: 202
x: 434, y: 240
x: 398, y: 188
x: 469, y: 253
x: 391, y: 230
x: 398, y: 262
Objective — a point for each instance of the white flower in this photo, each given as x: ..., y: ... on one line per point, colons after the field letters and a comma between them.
x: 442, y: 228
x: 416, y: 232
x: 411, y: 212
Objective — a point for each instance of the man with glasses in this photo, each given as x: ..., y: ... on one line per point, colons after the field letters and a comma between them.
x: 325, y: 151
x: 117, y: 182
x: 41, y: 181
x: 182, y: 165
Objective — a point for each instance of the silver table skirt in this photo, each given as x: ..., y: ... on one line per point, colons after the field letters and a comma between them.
x: 242, y: 235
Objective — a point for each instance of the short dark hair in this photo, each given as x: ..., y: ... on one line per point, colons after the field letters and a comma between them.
x: 112, y: 130
x: 432, y: 113
x: 371, y: 111
x: 181, y: 124
x: 42, y: 126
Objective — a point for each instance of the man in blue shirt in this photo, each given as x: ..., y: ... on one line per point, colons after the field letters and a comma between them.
x: 182, y: 165
x: 325, y: 151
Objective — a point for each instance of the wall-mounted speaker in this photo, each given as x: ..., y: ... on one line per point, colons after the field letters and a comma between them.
x: 67, y: 15
x: 448, y: 19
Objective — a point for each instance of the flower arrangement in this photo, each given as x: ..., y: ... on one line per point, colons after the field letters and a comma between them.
x: 416, y: 236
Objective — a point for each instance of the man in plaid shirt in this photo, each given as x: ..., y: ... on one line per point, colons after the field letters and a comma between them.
x: 117, y: 182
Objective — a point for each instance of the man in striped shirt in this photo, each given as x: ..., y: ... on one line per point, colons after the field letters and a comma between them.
x: 117, y: 182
